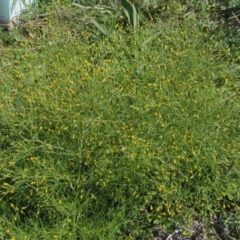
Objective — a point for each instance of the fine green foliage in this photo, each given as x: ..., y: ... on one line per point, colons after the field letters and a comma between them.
x: 107, y: 136
x: 5, y: 38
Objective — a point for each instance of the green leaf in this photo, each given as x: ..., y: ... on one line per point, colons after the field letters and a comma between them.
x: 152, y: 38
x: 81, y: 6
x: 98, y: 26
x: 131, y: 13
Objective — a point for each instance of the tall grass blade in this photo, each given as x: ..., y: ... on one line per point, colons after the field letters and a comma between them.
x: 98, y: 26
x: 81, y: 6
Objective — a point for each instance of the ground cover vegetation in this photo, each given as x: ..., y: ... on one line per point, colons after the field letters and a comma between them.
x: 121, y: 121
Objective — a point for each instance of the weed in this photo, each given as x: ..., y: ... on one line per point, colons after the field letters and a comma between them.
x: 105, y: 137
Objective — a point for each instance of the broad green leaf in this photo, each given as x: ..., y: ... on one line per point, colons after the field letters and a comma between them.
x: 131, y: 13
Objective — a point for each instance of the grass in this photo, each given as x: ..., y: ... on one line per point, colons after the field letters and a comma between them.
x: 105, y: 137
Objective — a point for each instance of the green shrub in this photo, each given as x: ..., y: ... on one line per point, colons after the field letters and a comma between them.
x: 107, y: 137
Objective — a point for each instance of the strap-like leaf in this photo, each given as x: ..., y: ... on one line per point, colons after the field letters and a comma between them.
x: 98, y: 26
x: 131, y: 13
